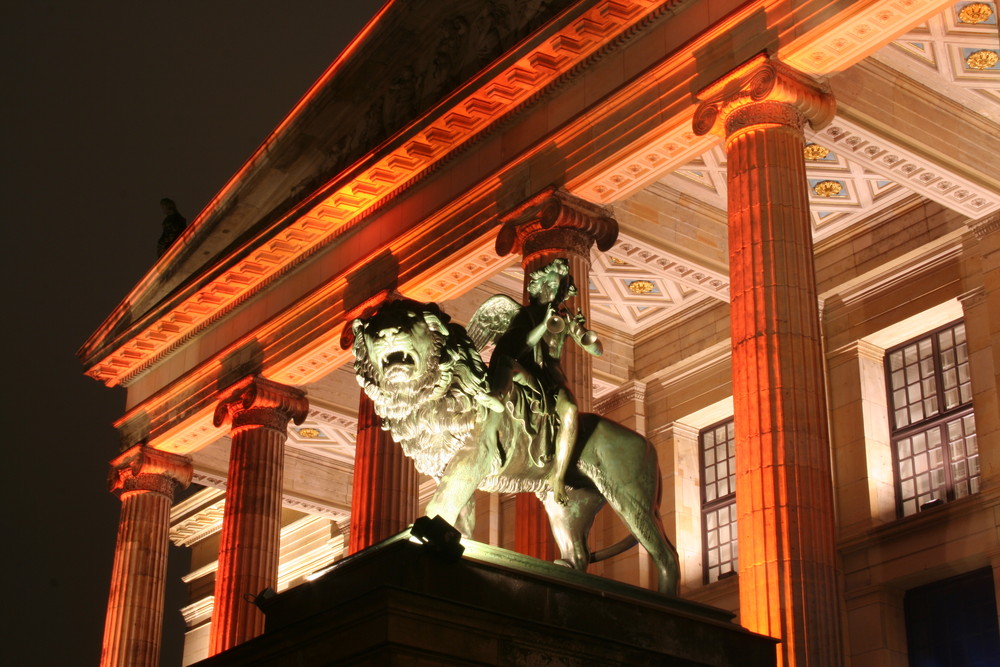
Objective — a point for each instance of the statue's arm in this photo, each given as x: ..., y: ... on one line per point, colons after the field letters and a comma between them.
x: 586, y: 338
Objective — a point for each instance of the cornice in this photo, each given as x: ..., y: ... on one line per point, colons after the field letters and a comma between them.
x: 580, y: 35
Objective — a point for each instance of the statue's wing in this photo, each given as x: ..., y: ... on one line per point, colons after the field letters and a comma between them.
x: 492, y: 319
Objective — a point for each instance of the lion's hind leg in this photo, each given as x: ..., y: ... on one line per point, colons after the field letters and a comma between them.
x: 643, y: 520
x: 571, y: 522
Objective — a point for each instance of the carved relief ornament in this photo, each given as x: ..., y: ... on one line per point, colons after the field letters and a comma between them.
x: 554, y: 219
x: 257, y: 401
x: 142, y: 468
x: 762, y: 91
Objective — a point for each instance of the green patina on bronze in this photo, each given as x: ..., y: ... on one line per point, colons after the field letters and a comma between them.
x: 431, y: 390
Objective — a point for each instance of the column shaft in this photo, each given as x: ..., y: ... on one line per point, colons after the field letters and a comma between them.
x: 384, y: 496
x: 145, y: 480
x: 251, y: 527
x: 787, y: 560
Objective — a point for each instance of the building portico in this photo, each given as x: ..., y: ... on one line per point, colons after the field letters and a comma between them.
x: 750, y: 301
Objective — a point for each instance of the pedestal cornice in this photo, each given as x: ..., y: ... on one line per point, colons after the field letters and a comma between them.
x: 762, y: 90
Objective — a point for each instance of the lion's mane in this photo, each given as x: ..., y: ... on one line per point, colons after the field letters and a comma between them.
x: 432, y: 415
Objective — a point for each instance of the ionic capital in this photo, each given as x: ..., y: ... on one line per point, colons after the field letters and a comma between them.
x: 257, y: 401
x: 762, y: 91
x: 555, y: 220
x: 142, y: 468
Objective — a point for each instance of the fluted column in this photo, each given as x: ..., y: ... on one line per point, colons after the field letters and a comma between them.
x: 259, y: 411
x: 144, y: 479
x: 384, y: 496
x: 551, y: 225
x: 787, y: 560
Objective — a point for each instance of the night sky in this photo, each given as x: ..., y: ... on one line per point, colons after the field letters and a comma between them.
x: 109, y: 107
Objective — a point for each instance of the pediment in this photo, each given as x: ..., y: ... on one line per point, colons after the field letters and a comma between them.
x: 410, y: 58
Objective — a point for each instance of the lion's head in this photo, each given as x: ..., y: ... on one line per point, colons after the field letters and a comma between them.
x: 422, y: 374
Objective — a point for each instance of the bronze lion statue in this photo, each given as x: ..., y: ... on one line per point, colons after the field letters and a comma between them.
x: 429, y: 387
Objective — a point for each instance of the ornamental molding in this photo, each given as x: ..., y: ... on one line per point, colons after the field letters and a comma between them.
x: 983, y: 228
x: 142, y: 468
x: 854, y: 351
x: 555, y: 219
x: 762, y: 90
x: 855, y: 36
x: 674, y: 431
x: 664, y: 264
x: 196, y: 527
x: 306, y: 505
x: 256, y: 401
x: 832, y: 47
x: 898, y: 275
x: 973, y: 298
x: 631, y: 392
x: 356, y: 193
x: 904, y: 166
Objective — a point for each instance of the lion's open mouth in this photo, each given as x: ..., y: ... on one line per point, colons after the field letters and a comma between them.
x: 396, y: 358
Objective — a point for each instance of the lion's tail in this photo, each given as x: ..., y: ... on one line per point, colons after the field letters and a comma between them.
x: 618, y: 547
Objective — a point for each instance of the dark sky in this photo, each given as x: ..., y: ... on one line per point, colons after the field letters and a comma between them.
x: 108, y: 107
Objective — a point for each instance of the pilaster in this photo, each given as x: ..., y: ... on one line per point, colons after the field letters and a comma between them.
x: 787, y: 559
x: 144, y: 479
x: 259, y: 411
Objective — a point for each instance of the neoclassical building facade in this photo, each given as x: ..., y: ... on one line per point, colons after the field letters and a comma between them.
x: 785, y: 218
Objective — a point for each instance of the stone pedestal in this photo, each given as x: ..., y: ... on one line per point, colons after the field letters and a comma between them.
x: 248, y: 555
x: 552, y: 225
x: 144, y: 480
x: 386, y: 484
x: 400, y: 604
x: 787, y: 563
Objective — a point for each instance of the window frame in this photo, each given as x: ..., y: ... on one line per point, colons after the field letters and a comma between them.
x: 707, y: 507
x: 926, y: 424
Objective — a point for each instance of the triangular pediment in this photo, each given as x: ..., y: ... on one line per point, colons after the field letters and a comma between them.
x: 411, y: 59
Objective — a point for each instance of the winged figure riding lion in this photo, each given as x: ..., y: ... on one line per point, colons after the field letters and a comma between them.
x: 513, y: 427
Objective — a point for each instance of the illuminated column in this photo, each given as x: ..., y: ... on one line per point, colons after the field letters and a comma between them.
x: 787, y: 560
x: 144, y: 479
x: 554, y: 224
x: 384, y: 497
x: 248, y: 554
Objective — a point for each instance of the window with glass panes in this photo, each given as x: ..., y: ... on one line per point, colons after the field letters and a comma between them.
x: 933, y: 428
x: 717, y: 447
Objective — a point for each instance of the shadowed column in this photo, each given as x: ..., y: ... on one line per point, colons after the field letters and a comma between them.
x: 384, y: 497
x: 144, y: 479
x: 787, y: 559
x: 551, y: 225
x: 248, y: 554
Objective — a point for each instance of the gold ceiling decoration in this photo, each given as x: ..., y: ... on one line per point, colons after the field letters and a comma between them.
x: 975, y: 12
x: 640, y: 286
x: 616, y: 261
x: 984, y: 59
x: 827, y: 188
x: 309, y: 433
x: 815, y: 152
